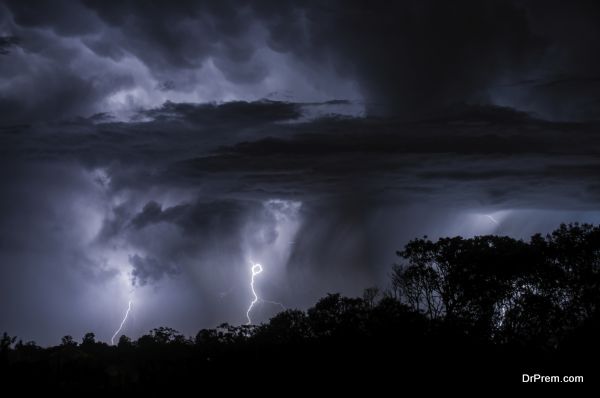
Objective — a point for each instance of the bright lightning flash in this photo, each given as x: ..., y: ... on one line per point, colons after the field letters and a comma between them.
x: 256, y: 269
x: 112, y: 339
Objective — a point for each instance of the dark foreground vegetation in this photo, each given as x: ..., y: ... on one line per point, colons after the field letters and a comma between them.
x: 459, y: 311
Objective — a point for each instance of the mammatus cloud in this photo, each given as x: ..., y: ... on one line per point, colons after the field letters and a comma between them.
x: 124, y: 56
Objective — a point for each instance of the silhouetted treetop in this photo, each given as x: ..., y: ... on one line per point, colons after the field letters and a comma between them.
x: 490, y: 301
x: 499, y: 286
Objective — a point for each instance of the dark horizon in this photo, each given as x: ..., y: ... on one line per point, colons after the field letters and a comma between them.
x: 153, y: 152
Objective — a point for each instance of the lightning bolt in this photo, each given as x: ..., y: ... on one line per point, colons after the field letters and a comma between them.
x: 256, y: 269
x: 112, y: 339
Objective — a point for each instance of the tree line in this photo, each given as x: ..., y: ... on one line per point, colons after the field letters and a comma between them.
x: 492, y: 307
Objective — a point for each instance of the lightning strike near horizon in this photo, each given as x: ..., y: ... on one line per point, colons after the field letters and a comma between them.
x: 256, y: 269
x: 112, y: 339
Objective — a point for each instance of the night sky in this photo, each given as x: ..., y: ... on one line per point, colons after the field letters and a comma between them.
x: 153, y: 151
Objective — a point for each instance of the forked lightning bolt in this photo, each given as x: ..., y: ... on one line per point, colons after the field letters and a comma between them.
x: 112, y: 339
x: 256, y: 269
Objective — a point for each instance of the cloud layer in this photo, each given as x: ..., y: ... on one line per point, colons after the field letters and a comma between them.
x: 154, y: 151
x: 410, y: 59
x: 172, y: 208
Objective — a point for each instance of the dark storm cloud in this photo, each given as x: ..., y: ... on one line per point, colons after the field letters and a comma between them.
x: 179, y: 195
x: 256, y: 149
x: 230, y: 114
x: 565, y: 84
x: 182, y: 193
x: 153, y: 213
x: 410, y: 58
x: 48, y: 77
x: 196, y: 218
x: 6, y: 43
x: 148, y: 269
x: 343, y: 167
x: 178, y: 35
x: 65, y: 17
x: 173, y: 238
x: 414, y: 57
x: 339, y: 154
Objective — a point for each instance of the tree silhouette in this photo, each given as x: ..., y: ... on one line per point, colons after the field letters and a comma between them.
x: 6, y: 342
x: 124, y: 342
x: 68, y: 341
x: 88, y: 339
x: 370, y: 295
x: 488, y: 306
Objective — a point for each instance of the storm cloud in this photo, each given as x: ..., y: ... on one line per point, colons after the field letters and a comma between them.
x: 411, y: 58
x: 152, y: 152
